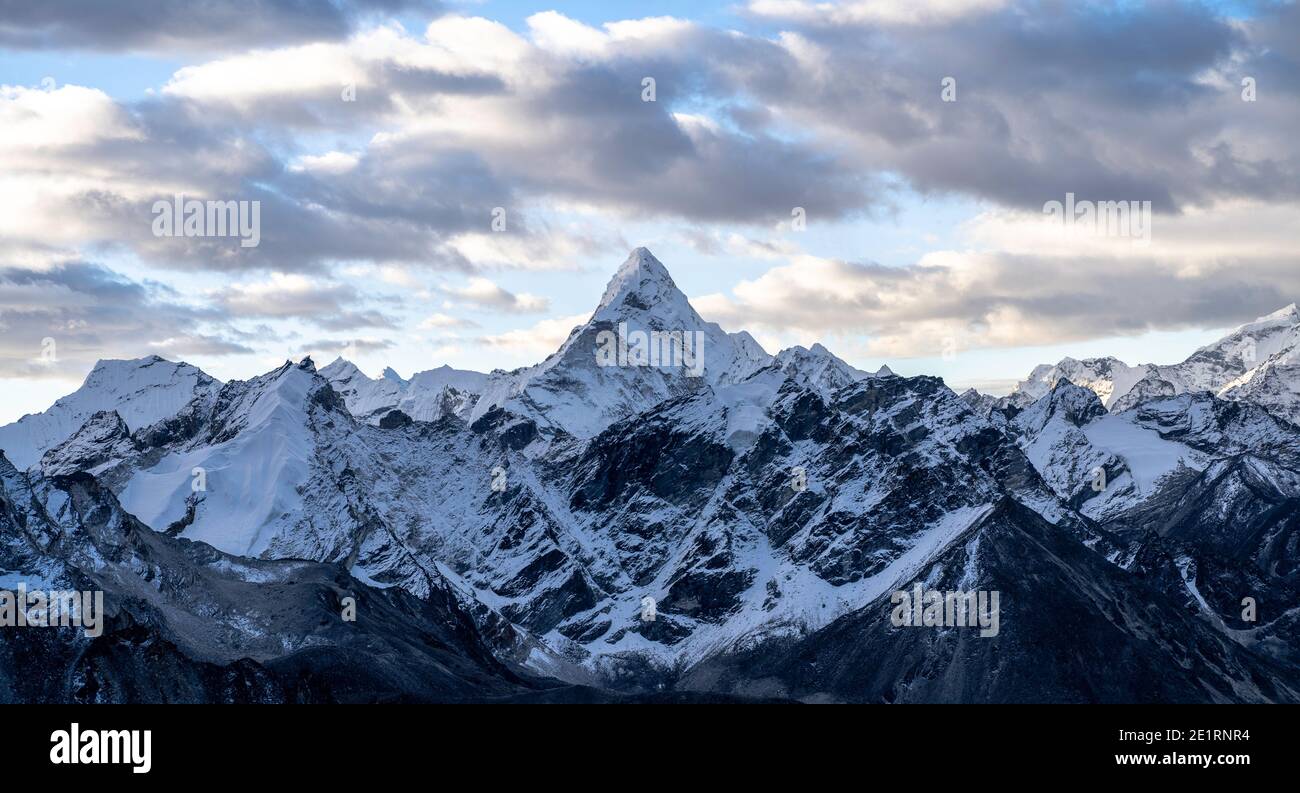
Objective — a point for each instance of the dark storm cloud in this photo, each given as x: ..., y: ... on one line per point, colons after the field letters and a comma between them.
x: 180, y: 25
x: 1108, y: 101
x: 582, y: 133
x: 350, y: 346
x: 333, y: 306
x: 397, y: 205
x: 606, y: 146
x: 89, y: 313
x: 1121, y: 102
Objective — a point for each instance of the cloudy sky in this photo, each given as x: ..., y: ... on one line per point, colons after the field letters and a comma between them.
x: 382, y: 139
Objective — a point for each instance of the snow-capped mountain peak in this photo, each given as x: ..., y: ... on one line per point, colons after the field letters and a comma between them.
x: 1075, y: 404
x: 142, y: 391
x: 644, y: 343
x: 818, y: 367
x: 1258, y: 361
x: 1287, y: 315
x: 340, y: 368
x: 367, y: 399
x: 575, y: 389
x: 427, y: 396
x: 640, y: 282
x: 1109, y: 377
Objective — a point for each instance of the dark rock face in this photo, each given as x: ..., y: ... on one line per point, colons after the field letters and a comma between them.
x: 656, y: 455
x: 394, y: 419
x: 102, y: 439
x: 1233, y: 538
x: 705, y: 594
x: 177, y: 429
x: 512, y: 432
x: 573, y: 595
x: 1057, y: 641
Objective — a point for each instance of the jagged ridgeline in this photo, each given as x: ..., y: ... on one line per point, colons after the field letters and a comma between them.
x: 600, y: 528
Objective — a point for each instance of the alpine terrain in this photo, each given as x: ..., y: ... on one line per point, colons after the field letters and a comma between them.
x: 662, y: 509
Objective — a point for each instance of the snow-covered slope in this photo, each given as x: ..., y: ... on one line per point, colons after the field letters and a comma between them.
x: 1201, y: 497
x: 1072, y: 628
x: 142, y: 391
x: 1217, y: 365
x: 1103, y: 463
x: 1274, y: 382
x: 233, y: 486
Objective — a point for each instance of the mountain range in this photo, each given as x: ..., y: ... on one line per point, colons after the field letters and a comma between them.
x: 1258, y: 362
x: 504, y: 534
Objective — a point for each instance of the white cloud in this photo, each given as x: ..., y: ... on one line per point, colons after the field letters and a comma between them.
x: 469, y: 45
x: 483, y: 293
x: 539, y: 340
x: 1025, y: 283
x: 549, y: 250
x: 558, y: 34
x: 333, y: 163
x: 33, y: 121
x: 281, y: 295
x: 898, y: 12
x: 262, y: 74
x: 554, y: 32
x: 328, y: 304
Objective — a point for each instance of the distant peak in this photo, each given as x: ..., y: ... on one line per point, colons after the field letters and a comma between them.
x: 641, y: 262
x: 1065, y: 385
x: 390, y: 374
x: 641, y: 274
x: 307, y: 365
x: 128, y: 363
x: 341, y: 369
x: 798, y: 351
x: 1077, y: 403
x: 884, y: 371
x: 643, y: 256
x: 1287, y: 312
